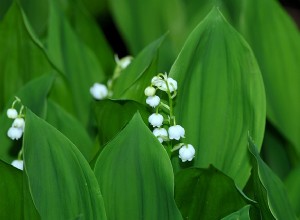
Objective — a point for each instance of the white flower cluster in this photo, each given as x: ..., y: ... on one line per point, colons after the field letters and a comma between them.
x: 166, y: 130
x: 101, y: 91
x: 16, y: 130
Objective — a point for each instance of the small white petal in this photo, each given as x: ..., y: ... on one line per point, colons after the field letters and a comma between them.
x: 18, y: 164
x: 172, y: 84
x: 19, y: 123
x: 99, y: 91
x: 161, y: 134
x: 176, y: 132
x: 125, y: 61
x: 12, y: 113
x: 159, y: 83
x: 14, y: 133
x: 153, y: 101
x: 150, y: 91
x: 187, y: 153
x: 156, y: 120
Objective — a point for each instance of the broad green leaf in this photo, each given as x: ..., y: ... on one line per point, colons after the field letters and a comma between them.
x: 242, y: 214
x: 21, y: 58
x: 292, y: 183
x: 71, y: 128
x: 275, y: 152
x: 206, y: 194
x: 32, y: 95
x: 269, y: 190
x: 37, y: 13
x: 141, y: 22
x: 90, y: 33
x: 11, y: 192
x: 220, y: 97
x: 135, y: 176
x: 4, y: 6
x: 276, y: 45
x: 30, y: 211
x: 61, y: 182
x: 113, y: 115
x: 137, y: 76
x: 74, y: 59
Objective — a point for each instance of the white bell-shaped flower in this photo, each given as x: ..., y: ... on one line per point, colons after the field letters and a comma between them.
x: 15, y: 133
x: 124, y: 61
x: 99, y: 91
x: 161, y: 134
x: 153, y: 101
x: 12, y: 113
x: 172, y: 84
x: 150, y: 91
x: 176, y: 132
x: 159, y: 83
x: 18, y: 164
x: 187, y: 152
x: 19, y: 123
x: 156, y: 120
x: 162, y: 85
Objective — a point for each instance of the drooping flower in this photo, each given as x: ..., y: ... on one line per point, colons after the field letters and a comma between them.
x: 124, y: 61
x: 19, y: 123
x: 162, y: 83
x: 99, y: 91
x: 156, y: 120
x: 187, y: 152
x: 12, y: 113
x: 15, y: 133
x: 150, y: 91
x: 161, y: 134
x: 176, y: 132
x: 153, y: 101
x: 18, y: 164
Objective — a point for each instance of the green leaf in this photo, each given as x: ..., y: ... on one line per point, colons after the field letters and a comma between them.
x: 278, y: 55
x: 11, y: 192
x: 292, y: 183
x: 269, y: 190
x: 137, y: 76
x: 32, y: 95
x: 113, y: 115
x: 74, y: 59
x: 4, y: 6
x: 201, y: 194
x: 21, y: 58
x: 63, y: 121
x: 242, y: 214
x: 61, y: 181
x: 220, y: 97
x: 141, y: 22
x: 135, y: 176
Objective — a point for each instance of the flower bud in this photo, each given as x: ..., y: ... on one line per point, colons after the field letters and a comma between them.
x: 12, y: 113
x: 150, y: 91
x: 156, y: 120
x: 160, y: 133
x: 99, y: 91
x: 176, y: 132
x: 187, y: 153
x: 18, y: 164
x: 153, y: 101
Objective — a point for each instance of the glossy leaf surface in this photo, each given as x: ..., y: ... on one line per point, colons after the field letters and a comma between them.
x: 269, y: 190
x: 200, y: 194
x: 61, y: 182
x: 135, y: 176
x: 220, y: 96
